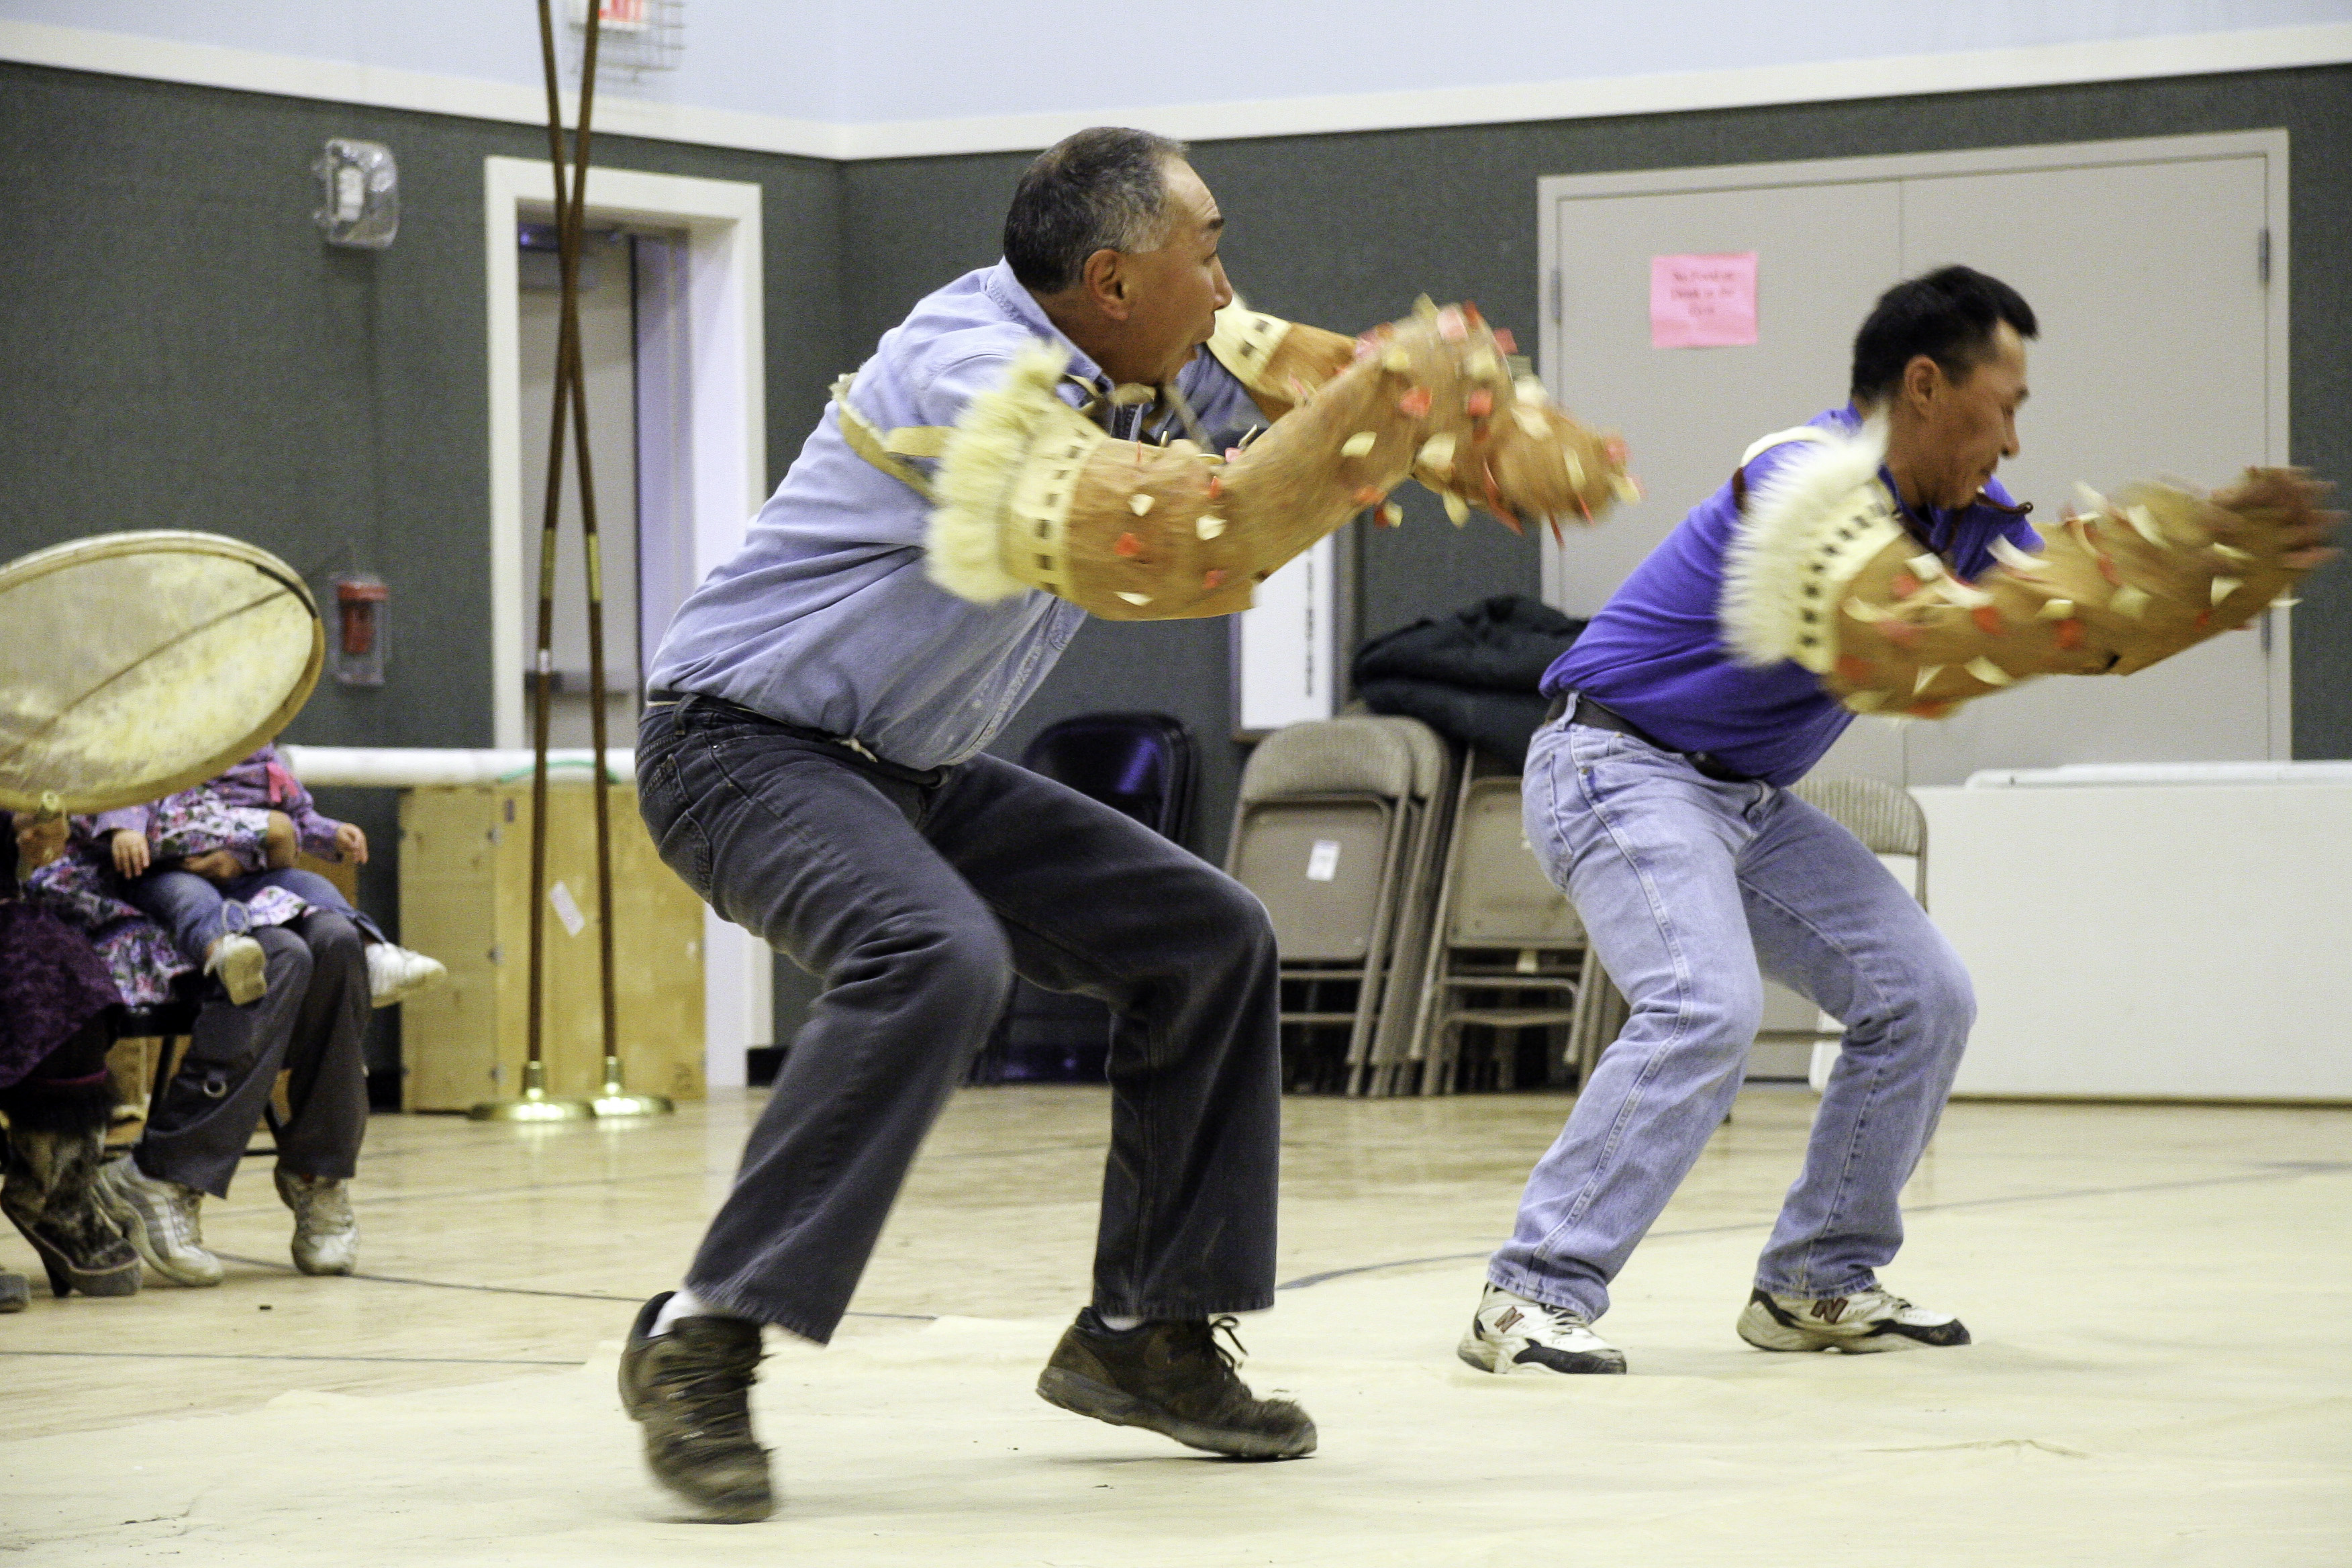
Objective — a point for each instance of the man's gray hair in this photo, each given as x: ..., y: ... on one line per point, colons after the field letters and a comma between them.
x: 1104, y: 189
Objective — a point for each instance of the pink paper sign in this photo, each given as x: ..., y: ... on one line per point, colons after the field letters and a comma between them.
x: 1703, y: 302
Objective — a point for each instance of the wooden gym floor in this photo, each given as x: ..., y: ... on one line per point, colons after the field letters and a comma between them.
x: 2163, y: 1372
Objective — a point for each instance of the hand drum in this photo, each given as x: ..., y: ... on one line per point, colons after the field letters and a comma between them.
x: 133, y: 665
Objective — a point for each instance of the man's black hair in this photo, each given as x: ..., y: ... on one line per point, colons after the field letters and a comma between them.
x: 1104, y: 189
x: 1948, y: 315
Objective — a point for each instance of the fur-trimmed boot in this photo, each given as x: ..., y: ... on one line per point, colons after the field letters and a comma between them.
x: 57, y: 1135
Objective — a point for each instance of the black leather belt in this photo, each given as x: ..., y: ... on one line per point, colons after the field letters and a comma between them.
x: 1594, y: 716
x: 853, y: 751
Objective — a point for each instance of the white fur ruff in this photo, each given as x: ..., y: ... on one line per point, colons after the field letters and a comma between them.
x: 1777, y: 548
x: 979, y: 469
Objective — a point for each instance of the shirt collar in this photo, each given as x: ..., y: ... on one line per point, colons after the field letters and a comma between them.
x: 1002, y: 287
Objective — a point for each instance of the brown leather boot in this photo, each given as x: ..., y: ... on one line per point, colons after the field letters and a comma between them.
x: 691, y: 1389
x: 1171, y: 1378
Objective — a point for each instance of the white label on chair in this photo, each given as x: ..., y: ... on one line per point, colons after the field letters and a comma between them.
x: 1323, y: 860
x: 567, y: 909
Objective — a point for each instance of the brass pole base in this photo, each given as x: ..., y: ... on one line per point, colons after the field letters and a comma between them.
x: 534, y: 1104
x: 532, y: 1107
x: 614, y: 1102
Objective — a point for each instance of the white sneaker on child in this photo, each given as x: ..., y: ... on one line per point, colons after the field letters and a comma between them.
x: 242, y: 968
x: 396, y: 973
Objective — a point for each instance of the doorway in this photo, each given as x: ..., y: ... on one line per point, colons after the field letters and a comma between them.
x: 682, y: 387
x: 626, y: 342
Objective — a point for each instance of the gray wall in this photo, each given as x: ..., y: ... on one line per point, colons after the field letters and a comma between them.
x: 182, y: 351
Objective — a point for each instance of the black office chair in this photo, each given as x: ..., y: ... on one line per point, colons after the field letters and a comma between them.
x: 1143, y: 764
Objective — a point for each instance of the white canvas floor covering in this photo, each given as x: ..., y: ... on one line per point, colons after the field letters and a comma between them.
x: 2159, y: 1296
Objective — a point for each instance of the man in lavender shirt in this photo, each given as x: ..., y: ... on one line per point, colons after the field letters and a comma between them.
x: 1656, y: 799
x: 812, y: 762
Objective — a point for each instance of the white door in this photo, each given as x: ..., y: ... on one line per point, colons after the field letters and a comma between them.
x: 2153, y: 362
x: 2160, y: 356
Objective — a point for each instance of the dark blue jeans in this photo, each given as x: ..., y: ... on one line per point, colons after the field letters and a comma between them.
x: 916, y: 902
x: 198, y: 911
x: 313, y: 1021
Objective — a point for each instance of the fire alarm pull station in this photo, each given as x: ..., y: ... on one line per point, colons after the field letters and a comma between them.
x: 360, y: 605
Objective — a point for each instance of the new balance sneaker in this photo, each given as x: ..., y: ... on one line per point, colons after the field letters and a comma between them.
x: 396, y: 973
x: 1175, y: 1379
x: 691, y: 1389
x: 1858, y: 1325
x: 326, y: 1236
x: 242, y: 968
x: 160, y: 1219
x: 1513, y: 1333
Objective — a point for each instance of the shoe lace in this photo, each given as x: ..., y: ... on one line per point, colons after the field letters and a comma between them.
x: 1565, y: 1318
x: 183, y: 1220
x: 321, y: 1207
x: 713, y: 1387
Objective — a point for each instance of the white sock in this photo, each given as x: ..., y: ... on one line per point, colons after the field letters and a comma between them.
x: 683, y: 1303
x: 1118, y: 1325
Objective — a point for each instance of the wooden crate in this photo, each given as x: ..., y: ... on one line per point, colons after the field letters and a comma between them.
x: 464, y: 886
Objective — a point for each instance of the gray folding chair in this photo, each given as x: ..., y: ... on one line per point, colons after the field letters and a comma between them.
x: 1431, y: 812
x: 1509, y: 950
x: 1319, y: 835
x: 1892, y: 827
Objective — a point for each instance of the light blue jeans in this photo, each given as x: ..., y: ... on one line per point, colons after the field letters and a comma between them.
x: 1688, y: 888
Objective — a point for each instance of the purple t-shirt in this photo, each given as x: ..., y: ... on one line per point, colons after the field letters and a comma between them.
x: 1655, y: 653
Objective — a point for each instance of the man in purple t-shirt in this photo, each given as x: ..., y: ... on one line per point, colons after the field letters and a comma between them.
x: 1654, y: 798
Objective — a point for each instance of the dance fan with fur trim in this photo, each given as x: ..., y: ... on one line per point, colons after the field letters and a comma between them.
x: 1034, y: 495
x: 1822, y: 571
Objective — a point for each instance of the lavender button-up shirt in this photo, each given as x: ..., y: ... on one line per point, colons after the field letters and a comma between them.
x: 826, y: 617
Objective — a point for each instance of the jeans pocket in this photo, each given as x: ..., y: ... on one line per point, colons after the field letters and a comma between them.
x: 670, y: 814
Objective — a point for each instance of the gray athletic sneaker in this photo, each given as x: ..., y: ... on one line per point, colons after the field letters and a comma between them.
x: 1513, y: 1333
x: 326, y: 1236
x: 1860, y: 1325
x: 691, y: 1389
x: 160, y: 1220
x: 1173, y: 1378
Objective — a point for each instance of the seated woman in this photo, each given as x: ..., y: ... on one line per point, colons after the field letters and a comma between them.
x: 57, y: 1008
x: 311, y: 1019
x: 214, y: 861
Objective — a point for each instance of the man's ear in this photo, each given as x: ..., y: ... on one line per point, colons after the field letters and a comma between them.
x: 1105, y: 277
x: 1923, y: 378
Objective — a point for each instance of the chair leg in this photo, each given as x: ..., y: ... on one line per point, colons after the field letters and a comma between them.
x: 167, y: 1062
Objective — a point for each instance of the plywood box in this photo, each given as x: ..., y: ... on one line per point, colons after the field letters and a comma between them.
x: 464, y: 891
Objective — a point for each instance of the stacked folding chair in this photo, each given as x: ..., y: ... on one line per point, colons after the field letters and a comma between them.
x: 1334, y: 832
x: 1508, y: 954
x: 1891, y: 825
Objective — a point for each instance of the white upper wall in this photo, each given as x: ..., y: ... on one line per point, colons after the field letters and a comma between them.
x: 882, y: 76
x: 1034, y: 57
